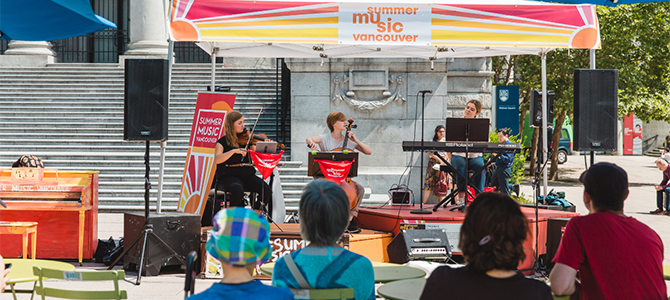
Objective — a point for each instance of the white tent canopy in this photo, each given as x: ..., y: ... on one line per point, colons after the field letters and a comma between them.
x: 348, y: 29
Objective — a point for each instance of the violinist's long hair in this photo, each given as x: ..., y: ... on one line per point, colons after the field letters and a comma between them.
x: 231, y: 135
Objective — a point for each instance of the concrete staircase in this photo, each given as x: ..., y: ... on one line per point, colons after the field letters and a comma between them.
x: 71, y: 116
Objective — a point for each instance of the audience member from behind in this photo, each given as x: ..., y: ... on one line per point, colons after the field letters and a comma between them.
x: 492, y: 237
x: 617, y: 256
x: 28, y: 161
x: 663, y: 188
x: 240, y: 241
x: 324, y: 214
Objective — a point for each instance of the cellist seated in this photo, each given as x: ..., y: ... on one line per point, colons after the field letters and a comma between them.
x: 337, y: 122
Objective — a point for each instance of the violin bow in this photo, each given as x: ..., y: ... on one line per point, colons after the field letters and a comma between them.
x: 251, y: 135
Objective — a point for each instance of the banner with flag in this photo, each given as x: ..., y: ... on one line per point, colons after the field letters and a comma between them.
x: 207, y: 128
x: 335, y: 171
x: 265, y: 162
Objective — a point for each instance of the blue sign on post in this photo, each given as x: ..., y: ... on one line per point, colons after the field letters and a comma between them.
x: 507, y: 108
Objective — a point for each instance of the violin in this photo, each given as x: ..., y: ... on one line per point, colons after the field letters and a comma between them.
x: 244, y: 138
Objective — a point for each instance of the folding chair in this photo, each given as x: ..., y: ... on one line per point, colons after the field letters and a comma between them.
x: 323, y: 294
x: 111, y: 275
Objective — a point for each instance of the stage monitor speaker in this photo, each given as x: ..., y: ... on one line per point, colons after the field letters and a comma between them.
x: 422, y: 244
x: 401, y: 197
x: 555, y: 230
x: 180, y: 231
x: 145, y: 115
x: 536, y: 108
x: 595, y: 109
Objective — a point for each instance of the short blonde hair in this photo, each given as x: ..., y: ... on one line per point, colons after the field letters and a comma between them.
x: 334, y: 117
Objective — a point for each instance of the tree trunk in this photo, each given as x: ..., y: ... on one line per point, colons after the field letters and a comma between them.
x: 522, y: 120
x: 556, y: 138
x: 533, y: 151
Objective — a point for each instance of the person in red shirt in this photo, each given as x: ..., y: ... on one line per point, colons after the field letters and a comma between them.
x: 617, y: 256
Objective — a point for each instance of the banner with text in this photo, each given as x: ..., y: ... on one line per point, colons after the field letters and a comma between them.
x: 335, y: 171
x: 413, y: 23
x: 507, y: 108
x: 265, y: 162
x: 210, y: 112
x: 632, y: 135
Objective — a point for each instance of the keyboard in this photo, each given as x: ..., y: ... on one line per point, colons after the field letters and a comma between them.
x: 474, y: 147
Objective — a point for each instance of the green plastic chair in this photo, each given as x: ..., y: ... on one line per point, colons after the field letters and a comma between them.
x: 323, y: 294
x: 112, y: 275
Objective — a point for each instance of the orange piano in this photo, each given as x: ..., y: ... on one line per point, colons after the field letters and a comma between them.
x: 63, y: 203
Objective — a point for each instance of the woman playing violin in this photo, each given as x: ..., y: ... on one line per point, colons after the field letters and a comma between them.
x: 234, y: 171
x: 337, y: 123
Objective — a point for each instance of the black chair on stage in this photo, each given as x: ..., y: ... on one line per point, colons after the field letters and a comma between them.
x: 218, y: 199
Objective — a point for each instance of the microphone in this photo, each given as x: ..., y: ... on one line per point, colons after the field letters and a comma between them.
x: 426, y: 91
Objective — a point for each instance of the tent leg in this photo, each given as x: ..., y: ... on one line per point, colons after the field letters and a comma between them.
x: 544, y: 120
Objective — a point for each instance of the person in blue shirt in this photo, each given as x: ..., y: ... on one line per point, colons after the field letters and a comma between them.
x: 324, y: 215
x: 504, y: 162
x: 240, y: 241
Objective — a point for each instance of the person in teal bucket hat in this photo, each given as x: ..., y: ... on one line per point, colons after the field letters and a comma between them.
x: 240, y: 241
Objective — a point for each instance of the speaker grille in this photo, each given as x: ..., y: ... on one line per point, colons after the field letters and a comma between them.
x: 536, y: 108
x: 595, y: 104
x: 146, y: 100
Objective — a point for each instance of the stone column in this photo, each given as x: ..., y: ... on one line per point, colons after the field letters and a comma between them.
x: 25, y: 53
x: 148, y: 35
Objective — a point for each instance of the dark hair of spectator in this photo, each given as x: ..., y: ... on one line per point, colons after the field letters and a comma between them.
x: 504, y: 131
x: 493, y: 233
x: 437, y: 129
x: 324, y: 212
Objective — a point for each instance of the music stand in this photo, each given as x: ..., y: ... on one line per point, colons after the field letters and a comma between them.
x: 468, y: 130
x: 314, y: 170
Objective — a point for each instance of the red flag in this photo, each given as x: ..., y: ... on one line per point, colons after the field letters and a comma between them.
x: 265, y: 162
x: 335, y: 171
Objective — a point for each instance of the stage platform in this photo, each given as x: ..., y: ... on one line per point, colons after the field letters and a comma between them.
x: 395, y: 218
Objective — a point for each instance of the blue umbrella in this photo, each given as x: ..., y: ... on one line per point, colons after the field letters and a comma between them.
x: 48, y: 20
x: 605, y: 2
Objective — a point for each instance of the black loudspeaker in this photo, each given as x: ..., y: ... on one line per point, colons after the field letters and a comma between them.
x: 555, y: 230
x: 401, y: 197
x: 536, y: 108
x: 425, y: 244
x: 596, y: 100
x: 180, y: 231
x: 145, y: 114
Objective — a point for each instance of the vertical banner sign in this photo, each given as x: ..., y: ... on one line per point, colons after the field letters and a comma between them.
x: 637, y: 136
x: 210, y: 112
x: 507, y: 106
x: 628, y: 135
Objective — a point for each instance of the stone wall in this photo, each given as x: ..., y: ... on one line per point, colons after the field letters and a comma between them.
x: 320, y: 88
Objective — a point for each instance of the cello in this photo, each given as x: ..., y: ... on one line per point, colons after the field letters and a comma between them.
x: 349, y: 186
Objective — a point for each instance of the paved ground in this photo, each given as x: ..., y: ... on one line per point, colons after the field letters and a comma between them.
x: 641, y: 170
x: 642, y: 175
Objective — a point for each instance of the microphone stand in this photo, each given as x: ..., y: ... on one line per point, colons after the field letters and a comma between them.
x: 423, y: 123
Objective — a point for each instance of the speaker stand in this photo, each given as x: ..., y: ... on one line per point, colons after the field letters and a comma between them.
x: 148, y: 229
x: 421, y: 211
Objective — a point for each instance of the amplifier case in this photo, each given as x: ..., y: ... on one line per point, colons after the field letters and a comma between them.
x: 181, y: 231
x: 400, y: 248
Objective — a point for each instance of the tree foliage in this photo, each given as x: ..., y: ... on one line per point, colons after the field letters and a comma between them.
x: 635, y: 40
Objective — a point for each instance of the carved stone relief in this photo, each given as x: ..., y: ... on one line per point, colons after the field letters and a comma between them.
x: 378, y: 82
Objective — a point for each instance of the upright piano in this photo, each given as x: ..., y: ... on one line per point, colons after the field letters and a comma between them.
x: 63, y: 203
